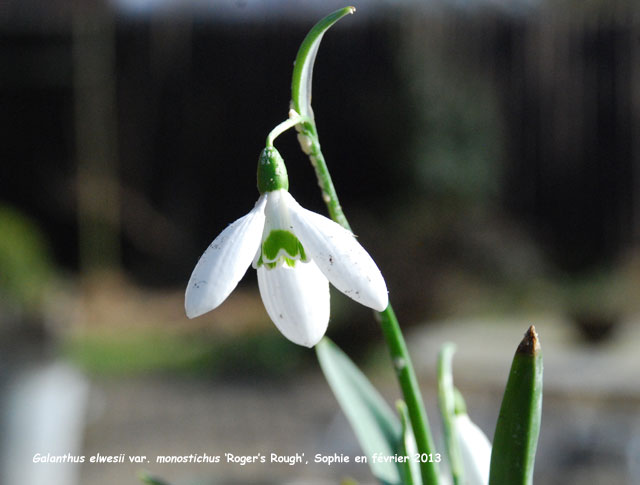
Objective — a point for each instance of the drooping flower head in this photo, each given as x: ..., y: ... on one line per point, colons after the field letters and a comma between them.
x: 296, y: 253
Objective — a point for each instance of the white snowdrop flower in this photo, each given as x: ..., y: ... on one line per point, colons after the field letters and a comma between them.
x: 296, y: 253
x: 475, y: 450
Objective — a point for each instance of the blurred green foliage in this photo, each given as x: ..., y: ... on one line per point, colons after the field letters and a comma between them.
x: 153, y: 351
x: 457, y: 153
x: 456, y: 123
x: 25, y: 261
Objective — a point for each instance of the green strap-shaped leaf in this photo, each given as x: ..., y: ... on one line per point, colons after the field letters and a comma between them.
x: 408, y: 448
x: 375, y: 425
x: 447, y: 401
x: 518, y: 427
x: 303, y: 68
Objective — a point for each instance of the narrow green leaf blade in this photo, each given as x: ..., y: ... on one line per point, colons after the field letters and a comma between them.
x: 303, y: 67
x: 408, y: 448
x: 518, y: 427
x: 375, y: 425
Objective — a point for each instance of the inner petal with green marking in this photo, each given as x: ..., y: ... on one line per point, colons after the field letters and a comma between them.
x: 281, y: 247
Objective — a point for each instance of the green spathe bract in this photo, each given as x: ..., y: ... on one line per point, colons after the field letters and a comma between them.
x: 272, y: 172
x: 303, y: 67
x: 447, y: 402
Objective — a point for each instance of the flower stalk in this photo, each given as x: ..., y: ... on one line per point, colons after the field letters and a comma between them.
x: 394, y: 339
x: 294, y: 119
x: 310, y: 144
x: 408, y: 381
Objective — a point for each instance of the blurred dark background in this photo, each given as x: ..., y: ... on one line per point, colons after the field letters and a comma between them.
x: 523, y: 114
x: 486, y: 153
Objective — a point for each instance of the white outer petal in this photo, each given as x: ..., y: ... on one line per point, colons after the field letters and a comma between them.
x: 297, y: 300
x: 224, y: 262
x: 339, y: 256
x: 475, y: 449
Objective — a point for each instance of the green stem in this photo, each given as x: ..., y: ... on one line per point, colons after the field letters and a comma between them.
x: 310, y: 144
x: 390, y: 327
x: 309, y: 134
x: 410, y: 390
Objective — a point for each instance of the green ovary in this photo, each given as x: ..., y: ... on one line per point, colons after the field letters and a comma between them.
x: 279, y: 240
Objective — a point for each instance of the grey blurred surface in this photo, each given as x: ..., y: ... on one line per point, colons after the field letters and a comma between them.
x: 590, y: 424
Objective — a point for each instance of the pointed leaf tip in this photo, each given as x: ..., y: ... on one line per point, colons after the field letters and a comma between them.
x: 516, y: 436
x: 530, y: 344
